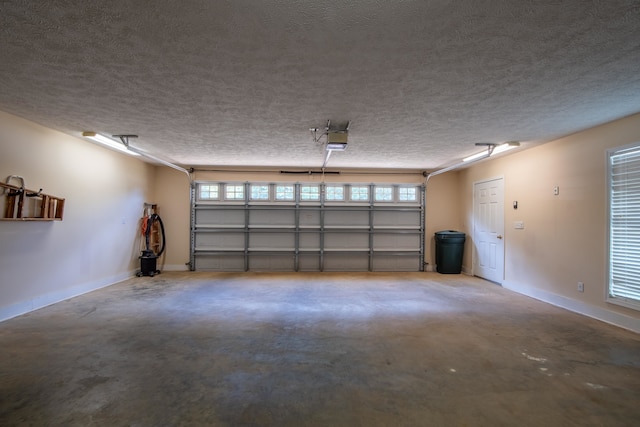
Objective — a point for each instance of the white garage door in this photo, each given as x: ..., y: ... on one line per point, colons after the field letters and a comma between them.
x: 307, y: 227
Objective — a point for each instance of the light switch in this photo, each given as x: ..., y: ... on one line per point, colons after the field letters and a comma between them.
x: 518, y: 225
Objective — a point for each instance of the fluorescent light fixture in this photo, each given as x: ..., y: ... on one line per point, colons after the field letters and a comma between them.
x: 497, y: 149
x: 336, y: 146
x: 504, y: 147
x: 101, y: 139
x: 476, y: 156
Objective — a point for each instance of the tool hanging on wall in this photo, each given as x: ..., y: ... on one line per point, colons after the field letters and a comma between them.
x: 154, y: 239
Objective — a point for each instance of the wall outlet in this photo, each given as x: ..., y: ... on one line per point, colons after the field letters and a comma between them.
x: 556, y: 190
x: 580, y: 287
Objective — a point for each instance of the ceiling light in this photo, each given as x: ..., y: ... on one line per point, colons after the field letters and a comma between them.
x: 336, y: 146
x: 337, y: 140
x: 506, y: 146
x: 476, y: 156
x: 491, y: 150
x: 103, y: 140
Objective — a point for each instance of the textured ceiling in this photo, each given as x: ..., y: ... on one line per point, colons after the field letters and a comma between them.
x: 239, y: 83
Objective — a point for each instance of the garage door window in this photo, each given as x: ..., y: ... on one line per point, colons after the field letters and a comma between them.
x: 384, y: 193
x: 624, y: 226
x: 209, y: 192
x: 259, y: 192
x: 407, y: 194
x: 285, y: 192
x: 234, y: 192
x: 360, y: 194
x: 334, y: 192
x: 309, y: 192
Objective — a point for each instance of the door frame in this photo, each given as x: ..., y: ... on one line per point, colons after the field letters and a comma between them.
x: 473, y: 225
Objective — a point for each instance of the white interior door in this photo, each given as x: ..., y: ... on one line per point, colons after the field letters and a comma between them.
x: 488, y: 230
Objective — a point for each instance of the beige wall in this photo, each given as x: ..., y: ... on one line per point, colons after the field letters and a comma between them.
x: 96, y: 243
x: 565, y: 236
x: 442, y: 211
x: 172, y: 197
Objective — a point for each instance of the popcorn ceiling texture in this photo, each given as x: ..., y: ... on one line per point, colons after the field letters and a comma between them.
x: 240, y: 82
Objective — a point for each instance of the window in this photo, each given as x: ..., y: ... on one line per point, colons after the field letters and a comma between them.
x: 360, y: 193
x: 407, y: 194
x: 285, y: 192
x: 309, y: 192
x: 259, y: 192
x: 234, y: 192
x: 334, y: 192
x: 209, y: 192
x: 624, y: 226
x: 384, y: 193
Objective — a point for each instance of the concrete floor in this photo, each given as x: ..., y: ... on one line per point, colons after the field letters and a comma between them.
x: 361, y: 349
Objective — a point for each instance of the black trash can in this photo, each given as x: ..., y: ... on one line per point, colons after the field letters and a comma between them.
x: 449, y: 251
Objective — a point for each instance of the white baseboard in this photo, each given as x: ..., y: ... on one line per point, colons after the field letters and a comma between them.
x: 602, y: 314
x: 44, y: 300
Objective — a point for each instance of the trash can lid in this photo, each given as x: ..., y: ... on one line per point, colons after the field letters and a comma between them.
x: 449, y: 233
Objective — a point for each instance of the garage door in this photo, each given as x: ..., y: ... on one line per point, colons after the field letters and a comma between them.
x: 307, y: 227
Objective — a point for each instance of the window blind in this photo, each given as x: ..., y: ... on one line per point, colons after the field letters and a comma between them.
x: 624, y: 225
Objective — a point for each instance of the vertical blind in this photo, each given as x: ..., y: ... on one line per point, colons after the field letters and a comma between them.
x: 624, y: 225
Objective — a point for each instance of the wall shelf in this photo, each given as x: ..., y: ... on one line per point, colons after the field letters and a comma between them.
x: 22, y: 204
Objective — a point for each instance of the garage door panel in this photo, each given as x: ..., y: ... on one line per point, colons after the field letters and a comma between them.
x: 220, y: 240
x: 345, y: 218
x: 346, y: 240
x: 389, y: 241
x: 396, y: 218
x: 396, y: 262
x: 271, y: 262
x: 309, y: 217
x: 275, y: 217
x: 217, y: 217
x: 309, y: 240
x: 225, y: 262
x: 305, y: 234
x: 341, y: 261
x: 274, y: 241
x: 309, y: 262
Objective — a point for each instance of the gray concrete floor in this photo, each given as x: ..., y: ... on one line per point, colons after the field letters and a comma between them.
x: 361, y: 349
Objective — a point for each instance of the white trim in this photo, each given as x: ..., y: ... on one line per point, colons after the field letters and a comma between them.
x: 624, y: 302
x: 602, y: 314
x: 607, y: 226
x: 45, y: 300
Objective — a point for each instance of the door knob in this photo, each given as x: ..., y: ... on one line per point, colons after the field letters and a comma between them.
x: 499, y: 236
